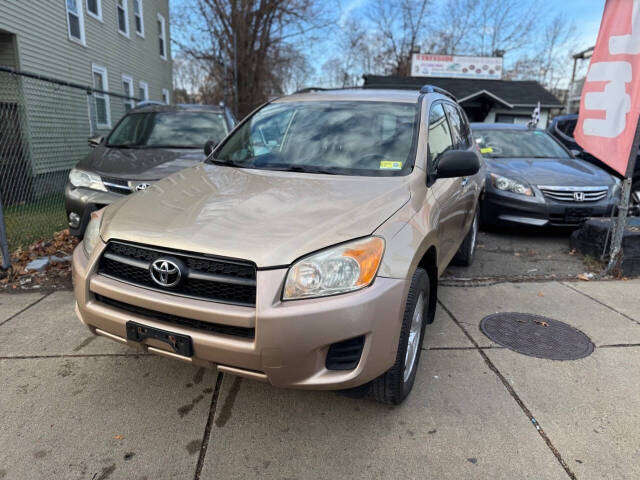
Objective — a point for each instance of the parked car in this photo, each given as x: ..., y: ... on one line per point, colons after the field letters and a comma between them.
x: 148, y: 143
x: 534, y: 180
x: 304, y: 252
x: 562, y: 127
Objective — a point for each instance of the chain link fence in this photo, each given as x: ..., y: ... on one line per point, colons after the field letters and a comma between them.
x: 44, y: 127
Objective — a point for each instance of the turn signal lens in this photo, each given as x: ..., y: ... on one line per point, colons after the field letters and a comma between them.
x: 340, y: 269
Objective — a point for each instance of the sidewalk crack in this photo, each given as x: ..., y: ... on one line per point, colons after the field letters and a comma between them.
x: 601, y: 303
x: 513, y: 393
x: 209, y: 425
x: 25, y: 308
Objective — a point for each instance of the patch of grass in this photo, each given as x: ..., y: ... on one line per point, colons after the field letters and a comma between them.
x: 593, y: 264
x: 32, y: 221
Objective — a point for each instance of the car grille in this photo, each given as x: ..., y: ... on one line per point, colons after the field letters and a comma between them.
x: 207, y: 278
x: 575, y: 194
x: 116, y: 185
x: 231, y: 330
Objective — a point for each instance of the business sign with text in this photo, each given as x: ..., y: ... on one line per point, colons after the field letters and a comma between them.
x: 455, y: 66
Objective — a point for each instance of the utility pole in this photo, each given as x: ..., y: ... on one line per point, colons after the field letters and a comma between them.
x: 620, y: 222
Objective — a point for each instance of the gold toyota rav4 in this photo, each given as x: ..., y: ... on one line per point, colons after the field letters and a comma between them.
x: 305, y: 251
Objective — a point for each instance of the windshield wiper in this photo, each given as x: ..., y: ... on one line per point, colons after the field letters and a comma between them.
x: 301, y: 168
x: 124, y: 145
x: 171, y: 146
x: 226, y: 163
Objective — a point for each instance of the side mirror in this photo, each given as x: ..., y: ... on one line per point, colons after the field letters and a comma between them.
x: 209, y: 146
x: 95, y: 141
x: 457, y: 163
x: 576, y: 153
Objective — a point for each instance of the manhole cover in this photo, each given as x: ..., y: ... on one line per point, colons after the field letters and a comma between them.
x: 536, y: 336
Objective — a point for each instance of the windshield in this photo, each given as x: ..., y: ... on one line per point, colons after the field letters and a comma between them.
x: 168, y: 129
x: 347, y: 138
x: 518, y: 143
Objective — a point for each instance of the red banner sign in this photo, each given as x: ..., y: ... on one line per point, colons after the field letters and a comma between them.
x: 610, y: 102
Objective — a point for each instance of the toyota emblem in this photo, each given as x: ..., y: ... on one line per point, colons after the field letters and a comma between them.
x: 166, y: 272
x: 142, y: 186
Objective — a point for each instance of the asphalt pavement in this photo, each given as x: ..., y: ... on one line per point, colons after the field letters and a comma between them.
x: 74, y: 406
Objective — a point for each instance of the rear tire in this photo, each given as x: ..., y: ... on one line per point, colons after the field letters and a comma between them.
x: 467, y: 251
x: 393, y: 386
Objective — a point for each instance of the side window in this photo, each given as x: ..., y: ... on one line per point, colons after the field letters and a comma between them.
x: 459, y: 129
x: 439, y: 133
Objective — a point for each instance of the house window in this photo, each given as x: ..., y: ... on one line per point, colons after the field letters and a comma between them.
x: 123, y: 17
x: 127, y: 89
x: 162, y: 42
x: 101, y: 100
x: 166, y: 97
x: 137, y: 15
x: 143, y: 91
x: 75, y: 21
x: 94, y: 9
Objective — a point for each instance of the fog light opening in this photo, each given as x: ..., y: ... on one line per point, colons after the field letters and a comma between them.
x: 74, y: 220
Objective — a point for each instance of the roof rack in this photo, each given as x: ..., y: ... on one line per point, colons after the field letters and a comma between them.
x: 434, y: 89
x: 312, y: 89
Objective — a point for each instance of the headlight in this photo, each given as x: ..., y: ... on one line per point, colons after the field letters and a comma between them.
x: 82, y: 178
x: 92, y: 233
x: 508, y: 185
x: 340, y: 269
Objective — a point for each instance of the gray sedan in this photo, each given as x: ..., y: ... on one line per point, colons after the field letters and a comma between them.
x: 534, y: 180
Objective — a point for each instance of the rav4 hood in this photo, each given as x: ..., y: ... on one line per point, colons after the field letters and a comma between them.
x: 269, y: 217
x: 140, y: 163
x: 571, y: 172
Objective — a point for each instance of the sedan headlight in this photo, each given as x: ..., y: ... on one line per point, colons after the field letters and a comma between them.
x: 82, y: 178
x: 344, y: 268
x: 508, y: 185
x: 92, y: 233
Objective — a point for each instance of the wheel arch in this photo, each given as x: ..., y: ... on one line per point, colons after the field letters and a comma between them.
x: 429, y: 263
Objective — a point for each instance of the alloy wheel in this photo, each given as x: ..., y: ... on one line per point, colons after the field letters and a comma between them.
x: 414, y: 338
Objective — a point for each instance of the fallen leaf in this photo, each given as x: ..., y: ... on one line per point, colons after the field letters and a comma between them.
x: 572, y: 252
x: 540, y: 294
x: 540, y: 322
x: 118, y: 437
x: 584, y: 276
x: 516, y: 254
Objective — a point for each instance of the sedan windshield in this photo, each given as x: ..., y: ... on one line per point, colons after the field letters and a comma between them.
x: 168, y: 129
x: 518, y: 144
x: 347, y: 138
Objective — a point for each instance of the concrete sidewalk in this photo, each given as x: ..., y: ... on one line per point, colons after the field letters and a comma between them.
x: 75, y: 406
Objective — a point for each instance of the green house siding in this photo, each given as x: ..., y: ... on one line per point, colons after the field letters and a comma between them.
x: 57, y: 118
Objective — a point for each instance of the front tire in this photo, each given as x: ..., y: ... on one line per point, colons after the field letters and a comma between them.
x: 393, y: 386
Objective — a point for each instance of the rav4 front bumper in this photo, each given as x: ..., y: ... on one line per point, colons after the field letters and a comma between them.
x: 291, y: 340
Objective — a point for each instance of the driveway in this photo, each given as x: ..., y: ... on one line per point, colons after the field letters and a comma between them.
x: 81, y: 407
x: 517, y: 254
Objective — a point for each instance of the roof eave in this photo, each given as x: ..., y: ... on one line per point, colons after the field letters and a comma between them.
x: 488, y: 94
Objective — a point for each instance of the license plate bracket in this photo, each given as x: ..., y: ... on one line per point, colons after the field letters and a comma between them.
x: 180, y: 344
x: 577, y: 214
